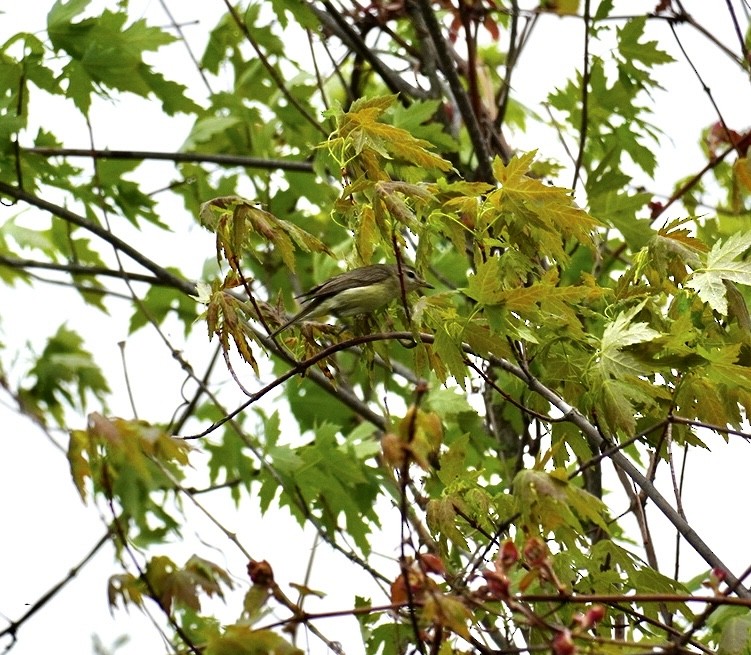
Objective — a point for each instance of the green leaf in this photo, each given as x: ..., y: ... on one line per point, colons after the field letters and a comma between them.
x: 65, y: 373
x: 604, y: 9
x: 448, y: 349
x: 485, y: 285
x: 106, y: 54
x: 131, y: 462
x: 633, y: 50
x: 735, y: 638
x: 161, y: 302
x: 723, y: 263
x: 28, y: 238
x: 619, y: 208
x: 299, y: 10
x: 389, y: 639
x: 619, y: 334
x: 63, y: 12
x: 181, y: 586
x: 542, y: 500
x: 205, y: 129
x: 617, y: 408
x: 230, y: 462
x: 442, y: 519
x: 171, y: 93
x: 332, y: 483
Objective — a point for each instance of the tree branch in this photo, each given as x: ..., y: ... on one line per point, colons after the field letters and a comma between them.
x: 585, y: 99
x: 572, y: 413
x: 622, y: 462
x: 79, y: 269
x: 460, y: 95
x: 177, y: 157
x: 12, y: 629
x: 332, y: 20
x: 167, y: 278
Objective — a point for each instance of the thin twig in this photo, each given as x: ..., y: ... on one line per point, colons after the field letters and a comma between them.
x: 572, y: 413
x: 738, y: 32
x: 14, y: 626
x: 273, y: 73
x: 471, y: 120
x: 176, y: 26
x: 128, y: 386
x: 704, y: 85
x: 78, y: 269
x: 622, y: 462
x: 178, y: 157
x: 334, y: 21
x: 585, y: 98
x: 160, y: 272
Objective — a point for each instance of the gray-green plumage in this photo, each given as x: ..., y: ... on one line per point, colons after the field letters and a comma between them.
x: 359, y: 291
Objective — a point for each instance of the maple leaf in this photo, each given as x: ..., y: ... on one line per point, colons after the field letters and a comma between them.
x: 723, y: 264
x: 485, y: 286
x: 618, y: 334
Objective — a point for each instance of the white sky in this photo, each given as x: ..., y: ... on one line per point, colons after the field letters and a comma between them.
x: 45, y: 527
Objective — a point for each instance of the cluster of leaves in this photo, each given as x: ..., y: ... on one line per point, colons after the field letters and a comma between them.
x: 131, y: 462
x: 581, y: 333
x: 616, y: 349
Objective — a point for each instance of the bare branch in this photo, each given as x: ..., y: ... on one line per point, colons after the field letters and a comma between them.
x: 333, y: 21
x: 471, y: 120
x: 12, y: 629
x: 178, y: 157
x: 160, y: 272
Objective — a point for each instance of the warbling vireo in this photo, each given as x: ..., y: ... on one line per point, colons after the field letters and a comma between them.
x: 359, y: 291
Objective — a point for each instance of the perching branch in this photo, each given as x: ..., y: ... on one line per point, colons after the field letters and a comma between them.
x: 571, y: 413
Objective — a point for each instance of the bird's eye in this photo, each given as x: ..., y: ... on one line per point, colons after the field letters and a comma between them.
x: 411, y: 275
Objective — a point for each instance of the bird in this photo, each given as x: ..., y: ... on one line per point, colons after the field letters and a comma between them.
x: 359, y: 291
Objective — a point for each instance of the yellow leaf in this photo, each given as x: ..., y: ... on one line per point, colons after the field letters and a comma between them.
x: 241, y: 639
x: 447, y: 611
x: 366, y: 234
x: 225, y: 315
x: 742, y: 171
x: 485, y: 285
x: 515, y: 169
x: 126, y: 587
x: 241, y: 226
x: 422, y: 433
x: 562, y: 7
x: 79, y: 465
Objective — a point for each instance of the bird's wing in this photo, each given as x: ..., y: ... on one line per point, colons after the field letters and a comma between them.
x: 357, y: 277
